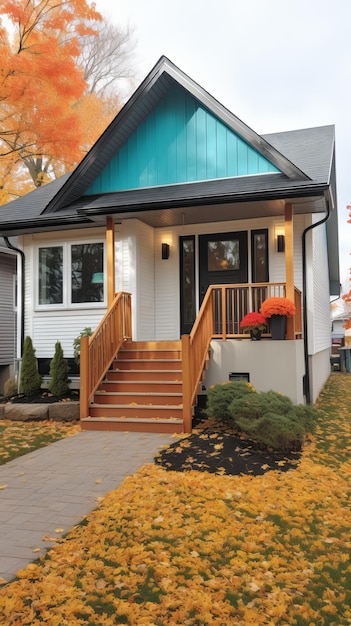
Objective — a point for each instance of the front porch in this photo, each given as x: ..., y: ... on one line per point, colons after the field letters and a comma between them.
x: 218, y: 321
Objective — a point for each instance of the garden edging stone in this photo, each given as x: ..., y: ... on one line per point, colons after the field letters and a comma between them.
x: 27, y: 412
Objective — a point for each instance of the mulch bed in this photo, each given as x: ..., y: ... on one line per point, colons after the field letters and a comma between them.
x: 218, y: 450
x: 42, y: 397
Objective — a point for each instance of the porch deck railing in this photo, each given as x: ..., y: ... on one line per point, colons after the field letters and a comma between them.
x: 98, y: 351
x: 219, y: 317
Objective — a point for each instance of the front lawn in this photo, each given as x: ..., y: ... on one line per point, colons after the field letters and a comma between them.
x: 200, y: 549
x: 18, y: 438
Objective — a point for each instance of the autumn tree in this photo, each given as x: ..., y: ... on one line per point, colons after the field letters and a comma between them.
x: 52, y: 107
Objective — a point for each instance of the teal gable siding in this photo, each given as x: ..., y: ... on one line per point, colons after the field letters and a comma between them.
x: 180, y: 141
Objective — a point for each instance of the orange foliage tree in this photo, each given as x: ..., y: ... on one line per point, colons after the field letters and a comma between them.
x: 43, y: 94
x: 347, y: 296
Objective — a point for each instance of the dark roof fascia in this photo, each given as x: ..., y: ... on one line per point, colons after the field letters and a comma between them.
x: 111, y: 206
x: 165, y: 67
x: 20, y: 227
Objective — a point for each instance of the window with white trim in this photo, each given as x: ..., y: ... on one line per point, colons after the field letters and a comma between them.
x: 71, y: 274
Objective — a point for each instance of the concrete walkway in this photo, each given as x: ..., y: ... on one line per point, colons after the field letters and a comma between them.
x: 45, y: 493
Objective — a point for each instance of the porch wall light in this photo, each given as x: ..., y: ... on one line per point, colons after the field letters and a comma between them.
x: 165, y: 251
x: 281, y: 243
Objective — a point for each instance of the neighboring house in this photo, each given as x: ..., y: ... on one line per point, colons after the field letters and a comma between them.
x: 8, y: 314
x: 182, y: 205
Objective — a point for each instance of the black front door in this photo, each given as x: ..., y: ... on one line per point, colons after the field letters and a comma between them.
x: 222, y: 259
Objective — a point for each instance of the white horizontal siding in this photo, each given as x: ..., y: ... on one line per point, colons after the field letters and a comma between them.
x: 48, y: 329
x: 319, y: 317
x: 145, y: 310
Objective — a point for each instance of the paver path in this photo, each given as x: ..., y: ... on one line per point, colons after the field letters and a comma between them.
x: 50, y: 490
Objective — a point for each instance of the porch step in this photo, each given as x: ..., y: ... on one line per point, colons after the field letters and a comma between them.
x: 147, y: 364
x: 137, y: 397
x: 134, y: 375
x: 142, y: 390
x: 137, y: 385
x: 140, y: 425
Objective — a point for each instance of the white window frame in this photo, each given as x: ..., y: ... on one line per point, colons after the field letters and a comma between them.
x: 67, y: 276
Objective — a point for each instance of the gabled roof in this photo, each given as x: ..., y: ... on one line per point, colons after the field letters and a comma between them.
x: 304, y: 159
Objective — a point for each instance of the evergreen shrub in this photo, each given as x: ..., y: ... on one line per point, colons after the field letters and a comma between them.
x: 30, y: 379
x: 219, y: 398
x: 58, y: 383
x: 268, y: 418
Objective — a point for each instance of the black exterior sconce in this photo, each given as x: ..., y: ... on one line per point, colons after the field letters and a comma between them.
x: 165, y: 251
x: 281, y: 243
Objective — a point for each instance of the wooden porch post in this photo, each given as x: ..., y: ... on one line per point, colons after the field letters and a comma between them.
x: 110, y: 256
x: 186, y: 378
x: 289, y: 266
x: 84, y: 377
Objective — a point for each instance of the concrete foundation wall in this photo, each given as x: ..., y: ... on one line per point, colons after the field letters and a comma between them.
x: 276, y: 365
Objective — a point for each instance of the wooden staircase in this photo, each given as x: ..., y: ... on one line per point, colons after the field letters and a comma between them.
x: 142, y: 391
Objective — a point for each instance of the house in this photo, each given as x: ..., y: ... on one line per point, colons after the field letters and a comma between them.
x: 8, y: 314
x: 178, y: 221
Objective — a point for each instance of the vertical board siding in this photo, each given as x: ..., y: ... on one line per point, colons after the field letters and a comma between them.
x: 180, y: 141
x: 7, y: 312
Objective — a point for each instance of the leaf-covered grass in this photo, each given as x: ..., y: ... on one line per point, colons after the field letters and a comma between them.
x: 19, y: 438
x: 198, y: 549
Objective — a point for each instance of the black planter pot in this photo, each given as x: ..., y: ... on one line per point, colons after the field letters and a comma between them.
x: 255, y: 334
x: 277, y: 325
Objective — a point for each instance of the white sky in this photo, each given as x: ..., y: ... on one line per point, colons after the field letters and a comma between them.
x: 276, y: 64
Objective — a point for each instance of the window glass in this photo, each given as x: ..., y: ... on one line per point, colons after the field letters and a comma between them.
x: 259, y: 240
x: 87, y: 277
x: 223, y: 255
x: 188, y: 280
x: 51, y: 275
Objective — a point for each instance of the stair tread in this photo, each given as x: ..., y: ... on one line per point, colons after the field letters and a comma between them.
x: 164, y: 420
x: 158, y: 394
x: 143, y: 382
x: 97, y: 405
x: 147, y: 360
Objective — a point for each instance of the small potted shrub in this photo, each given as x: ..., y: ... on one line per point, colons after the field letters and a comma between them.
x: 253, y: 323
x: 277, y: 310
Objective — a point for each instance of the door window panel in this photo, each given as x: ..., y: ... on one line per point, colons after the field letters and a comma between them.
x: 223, y: 255
x: 188, y: 303
x: 259, y: 246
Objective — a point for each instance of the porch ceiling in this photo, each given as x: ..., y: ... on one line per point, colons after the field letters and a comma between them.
x: 178, y: 216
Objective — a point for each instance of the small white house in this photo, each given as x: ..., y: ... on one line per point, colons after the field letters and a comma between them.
x: 193, y: 216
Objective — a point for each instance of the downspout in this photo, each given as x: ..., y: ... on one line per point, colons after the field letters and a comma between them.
x: 21, y: 253
x: 306, y: 381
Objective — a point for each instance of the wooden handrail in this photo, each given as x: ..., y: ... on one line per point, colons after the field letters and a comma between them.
x: 219, y: 317
x: 98, y: 351
x: 194, y: 353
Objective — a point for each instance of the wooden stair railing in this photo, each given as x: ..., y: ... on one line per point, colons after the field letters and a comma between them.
x: 194, y: 355
x: 98, y: 351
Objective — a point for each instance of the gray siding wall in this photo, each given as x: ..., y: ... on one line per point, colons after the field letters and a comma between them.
x: 7, y: 309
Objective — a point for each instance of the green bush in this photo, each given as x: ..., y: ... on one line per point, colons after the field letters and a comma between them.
x: 219, y: 398
x: 274, y: 431
x: 76, y: 343
x: 254, y: 406
x: 268, y: 418
x: 58, y: 383
x: 30, y: 379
